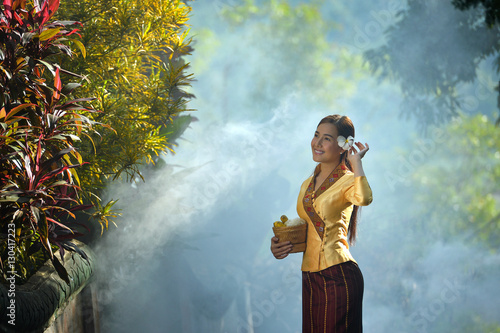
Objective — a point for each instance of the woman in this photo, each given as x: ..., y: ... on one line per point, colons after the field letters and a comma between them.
x: 332, y: 284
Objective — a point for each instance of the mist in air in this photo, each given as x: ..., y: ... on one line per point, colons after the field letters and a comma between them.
x: 191, y: 253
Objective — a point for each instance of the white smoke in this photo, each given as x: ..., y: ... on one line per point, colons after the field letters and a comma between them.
x: 191, y: 253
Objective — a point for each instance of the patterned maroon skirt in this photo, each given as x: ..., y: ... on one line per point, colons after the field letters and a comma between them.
x: 332, y: 300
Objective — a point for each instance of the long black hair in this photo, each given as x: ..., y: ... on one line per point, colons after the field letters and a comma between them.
x: 345, y: 128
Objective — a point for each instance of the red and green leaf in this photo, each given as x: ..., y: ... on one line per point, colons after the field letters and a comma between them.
x: 39, y: 124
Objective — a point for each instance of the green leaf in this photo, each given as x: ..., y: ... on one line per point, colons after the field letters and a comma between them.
x: 72, y: 137
x: 69, y: 87
x: 49, y: 33
x: 58, y: 183
x: 43, y: 229
x: 48, y: 65
x: 27, y: 37
x: 18, y: 108
x: 72, y: 247
x: 15, y: 198
x: 56, y: 157
x: 175, y: 129
x: 61, y: 271
x: 80, y: 46
x: 34, y: 248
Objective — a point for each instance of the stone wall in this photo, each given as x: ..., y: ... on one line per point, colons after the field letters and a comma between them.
x: 46, y: 302
x: 80, y: 315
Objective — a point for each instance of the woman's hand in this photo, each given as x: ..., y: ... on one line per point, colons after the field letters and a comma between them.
x: 354, y: 157
x: 280, y: 250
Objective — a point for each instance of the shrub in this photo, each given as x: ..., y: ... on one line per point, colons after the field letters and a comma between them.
x: 39, y: 125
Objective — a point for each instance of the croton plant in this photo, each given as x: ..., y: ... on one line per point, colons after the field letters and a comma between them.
x: 39, y: 124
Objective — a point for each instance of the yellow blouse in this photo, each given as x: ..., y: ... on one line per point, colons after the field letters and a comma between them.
x: 334, y: 207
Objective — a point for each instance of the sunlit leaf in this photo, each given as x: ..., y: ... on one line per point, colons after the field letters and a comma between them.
x: 57, y: 85
x: 69, y: 87
x: 80, y: 46
x: 17, y: 109
x: 49, y: 33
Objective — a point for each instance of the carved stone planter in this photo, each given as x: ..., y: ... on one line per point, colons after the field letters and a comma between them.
x: 45, y: 299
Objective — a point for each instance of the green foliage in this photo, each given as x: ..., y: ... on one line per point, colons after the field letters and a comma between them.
x: 134, y: 65
x: 130, y: 58
x: 39, y: 124
x: 105, y: 214
x: 290, y: 53
x: 491, y: 9
x: 458, y: 187
x: 479, y: 325
x: 431, y: 51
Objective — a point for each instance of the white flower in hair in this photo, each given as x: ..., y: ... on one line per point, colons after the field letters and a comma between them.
x: 345, y: 143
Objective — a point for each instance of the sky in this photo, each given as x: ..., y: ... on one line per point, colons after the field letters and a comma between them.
x: 191, y: 253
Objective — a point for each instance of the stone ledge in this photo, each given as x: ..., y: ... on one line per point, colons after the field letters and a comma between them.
x: 38, y: 300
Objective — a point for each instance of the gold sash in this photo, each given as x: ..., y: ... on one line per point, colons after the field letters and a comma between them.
x: 310, y: 196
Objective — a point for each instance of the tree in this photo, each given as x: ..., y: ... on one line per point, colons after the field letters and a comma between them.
x: 39, y: 124
x: 491, y: 9
x: 449, y: 216
x: 291, y: 53
x: 132, y: 62
x: 133, y: 66
x: 460, y: 182
x: 433, y: 50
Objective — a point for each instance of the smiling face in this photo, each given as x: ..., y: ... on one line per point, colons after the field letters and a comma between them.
x: 324, y: 145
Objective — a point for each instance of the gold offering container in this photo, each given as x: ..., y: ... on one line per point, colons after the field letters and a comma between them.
x: 297, y: 235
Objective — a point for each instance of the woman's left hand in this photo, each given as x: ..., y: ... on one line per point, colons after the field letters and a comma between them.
x: 353, y: 155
